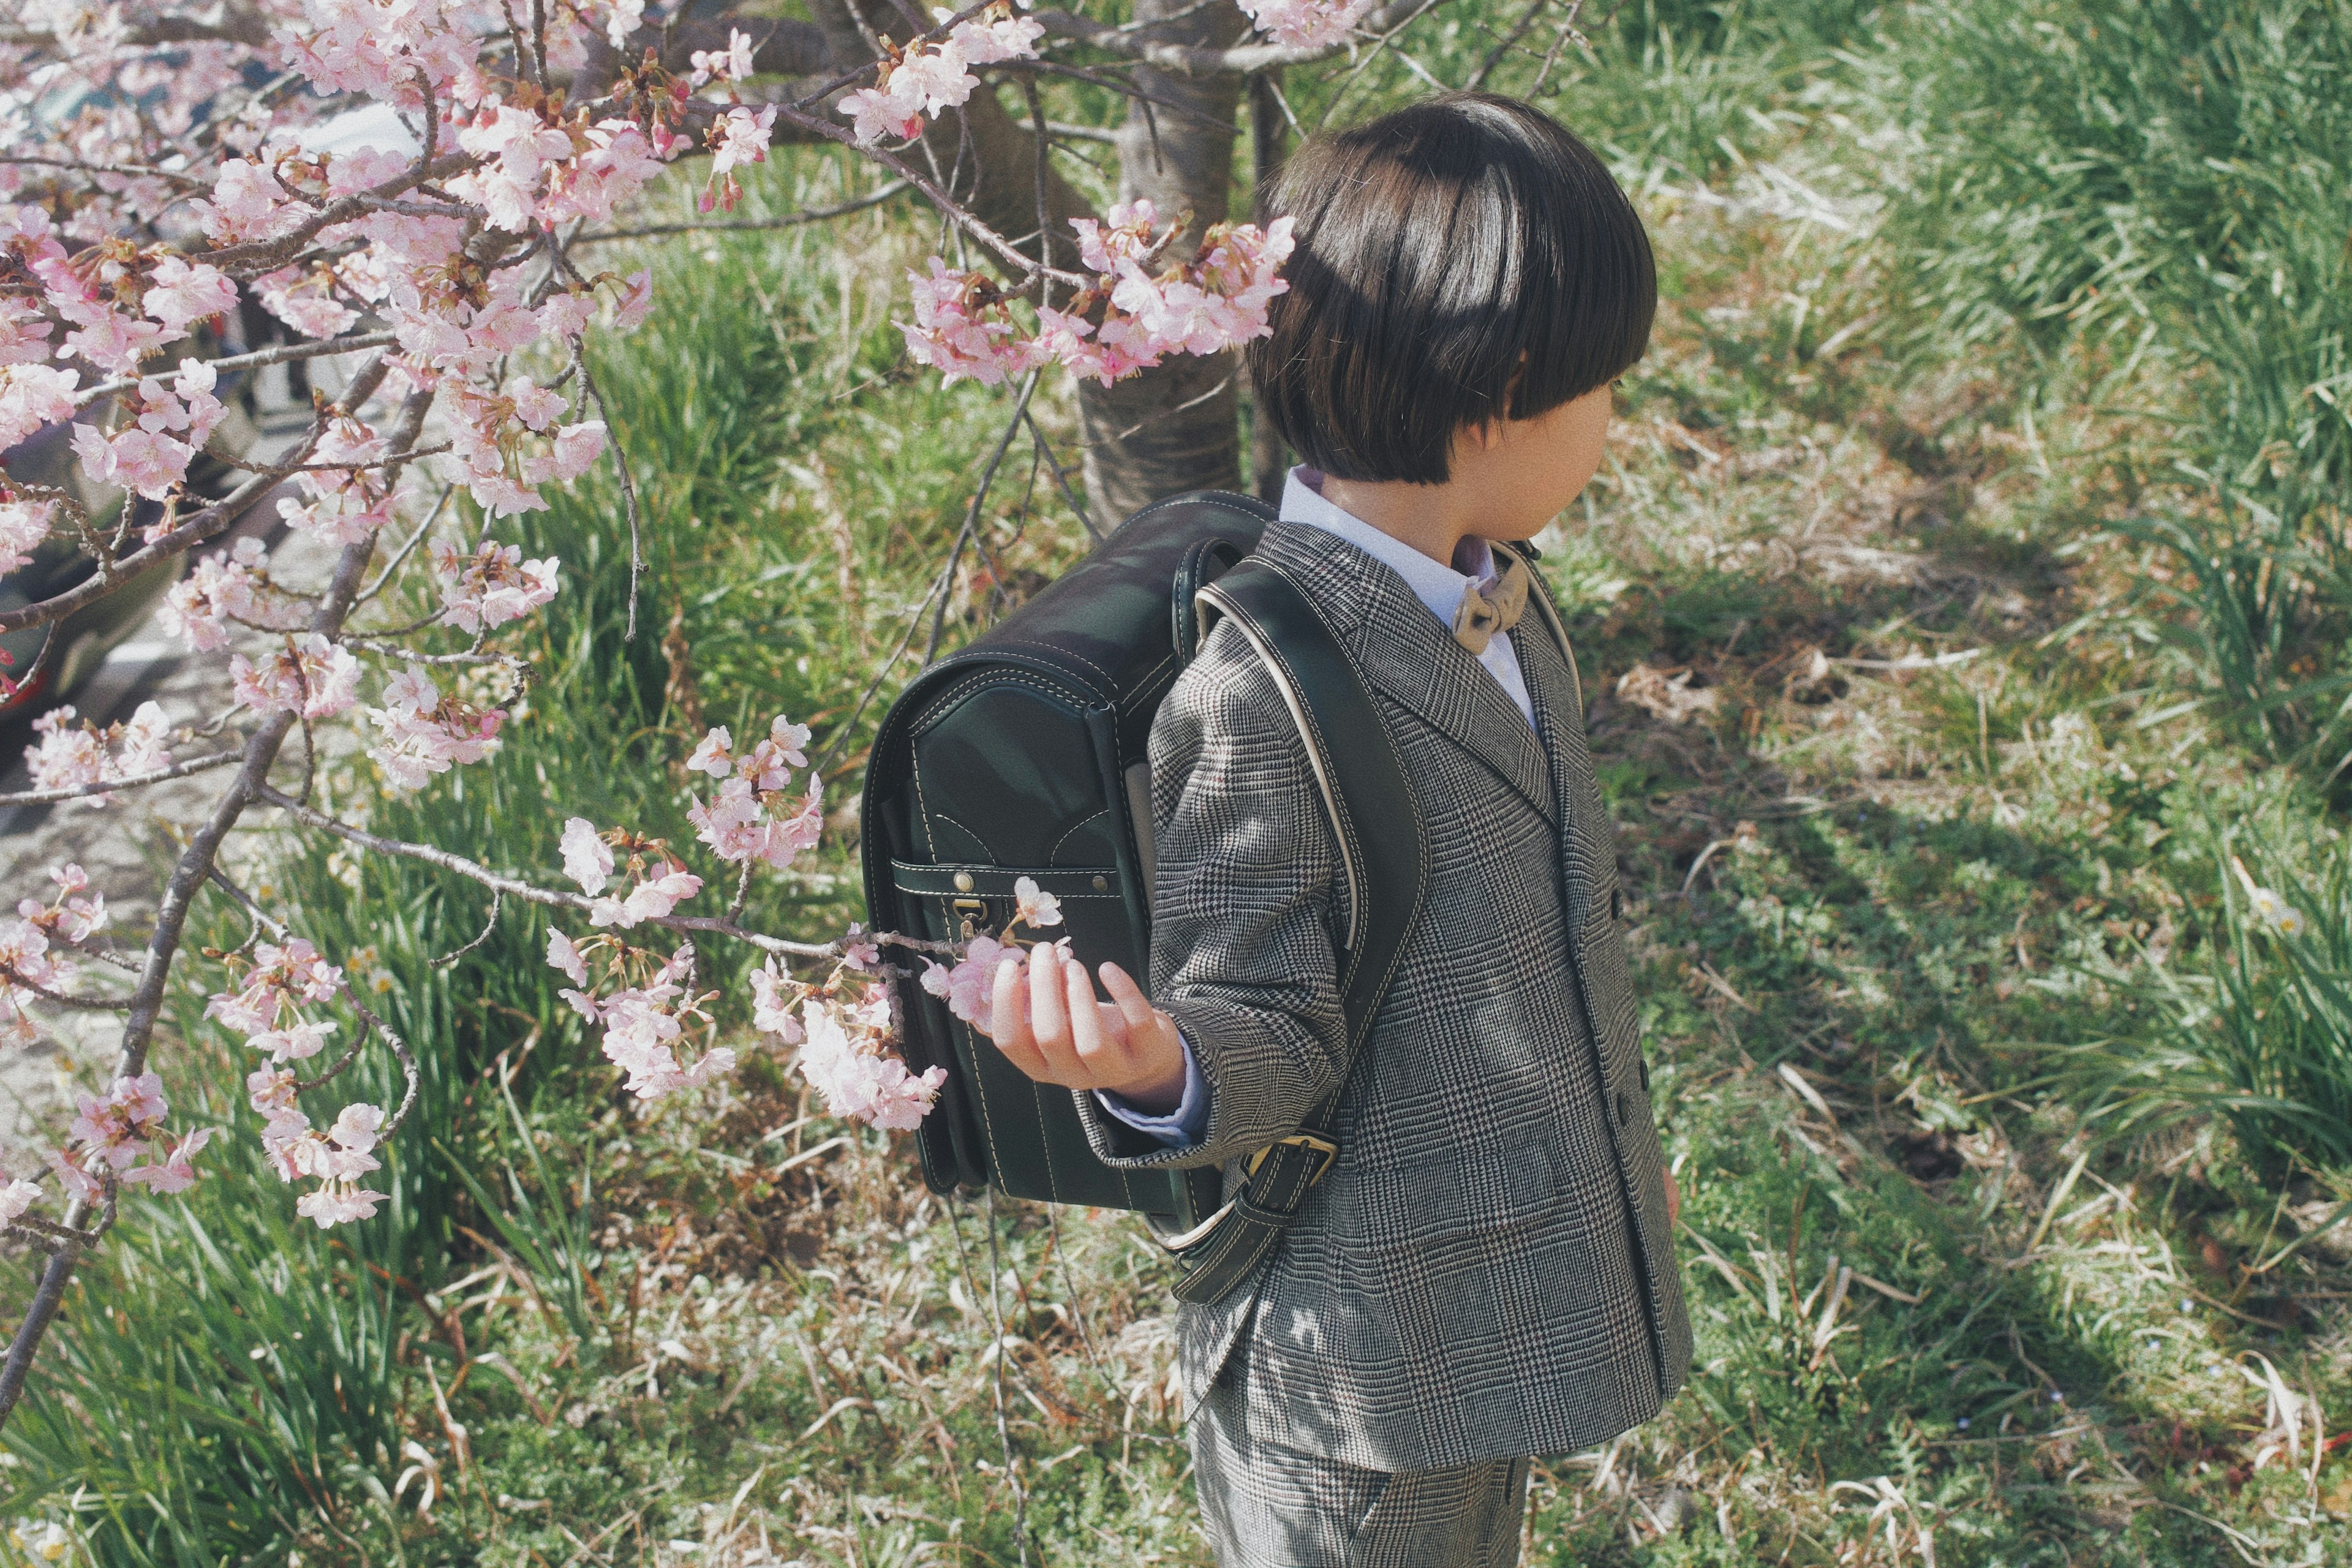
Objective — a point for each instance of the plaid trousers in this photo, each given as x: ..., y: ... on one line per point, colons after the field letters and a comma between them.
x: 1265, y: 1506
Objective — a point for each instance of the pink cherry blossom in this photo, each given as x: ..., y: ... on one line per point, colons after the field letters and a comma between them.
x: 306, y: 302
x: 313, y: 678
x: 24, y: 524
x: 995, y: 35
x: 563, y: 956
x: 426, y: 733
x: 115, y: 1127
x: 635, y: 300
x: 963, y: 330
x: 648, y: 897
x: 69, y: 755
x: 16, y: 1198
x: 875, y: 114
x: 711, y: 756
x: 281, y: 980
x: 587, y: 859
x: 732, y: 63
x: 738, y: 137
x: 490, y: 585
x: 72, y: 919
x: 1034, y: 906
x: 1305, y: 24
x: 180, y: 294
x: 969, y: 988
x: 176, y: 1173
x: 339, y: 1203
x: 775, y: 994
x: 221, y: 588
x: 33, y: 395
x: 857, y: 1082
x: 112, y: 340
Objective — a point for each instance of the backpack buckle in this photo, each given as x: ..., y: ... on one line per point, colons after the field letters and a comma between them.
x: 1324, y: 1149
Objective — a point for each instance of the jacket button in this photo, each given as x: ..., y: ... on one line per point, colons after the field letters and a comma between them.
x: 1616, y: 903
x: 1645, y: 1065
x: 1625, y: 1110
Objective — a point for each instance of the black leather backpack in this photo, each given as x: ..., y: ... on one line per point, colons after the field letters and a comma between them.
x: 1023, y: 755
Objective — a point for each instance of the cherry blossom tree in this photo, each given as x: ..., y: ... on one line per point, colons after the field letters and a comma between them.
x: 175, y: 213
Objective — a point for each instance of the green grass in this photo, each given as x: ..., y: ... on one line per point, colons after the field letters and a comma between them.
x: 2061, y: 1096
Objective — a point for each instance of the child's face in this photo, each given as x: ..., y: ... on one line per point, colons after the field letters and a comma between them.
x: 1526, y: 472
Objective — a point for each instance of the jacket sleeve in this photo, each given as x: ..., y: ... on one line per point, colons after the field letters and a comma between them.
x: 1244, y: 906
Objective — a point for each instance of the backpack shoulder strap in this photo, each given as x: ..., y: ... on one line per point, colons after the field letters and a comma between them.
x: 1384, y: 857
x: 1539, y: 590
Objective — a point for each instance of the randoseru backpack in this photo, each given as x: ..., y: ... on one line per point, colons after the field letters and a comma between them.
x: 1023, y: 755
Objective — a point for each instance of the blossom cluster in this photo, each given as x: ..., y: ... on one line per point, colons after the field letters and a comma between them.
x: 226, y: 587
x: 844, y: 1056
x: 750, y: 817
x: 273, y: 1009
x: 336, y: 1159
x: 70, y: 755
x: 1305, y: 24
x: 120, y: 1134
x: 426, y: 733
x: 968, y: 987
x: 1140, y: 308
x: 313, y: 676
x: 644, y: 1003
x: 490, y: 584
x: 926, y: 77
x: 23, y: 525
x: 35, y: 948
x: 117, y: 1135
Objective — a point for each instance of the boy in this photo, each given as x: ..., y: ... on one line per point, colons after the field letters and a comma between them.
x: 1486, y: 1274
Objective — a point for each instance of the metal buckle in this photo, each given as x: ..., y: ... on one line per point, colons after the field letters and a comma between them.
x: 1322, y: 1146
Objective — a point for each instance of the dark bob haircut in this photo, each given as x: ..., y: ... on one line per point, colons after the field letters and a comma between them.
x: 1453, y: 256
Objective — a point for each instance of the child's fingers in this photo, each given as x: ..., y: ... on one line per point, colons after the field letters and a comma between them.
x: 1049, y: 1014
x: 1009, y: 1021
x: 1097, y: 1048
x: 1128, y: 997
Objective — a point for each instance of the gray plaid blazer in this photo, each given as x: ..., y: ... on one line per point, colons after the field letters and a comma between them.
x: 1487, y: 1271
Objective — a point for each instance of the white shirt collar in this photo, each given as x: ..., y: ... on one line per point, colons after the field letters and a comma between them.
x: 1437, y: 587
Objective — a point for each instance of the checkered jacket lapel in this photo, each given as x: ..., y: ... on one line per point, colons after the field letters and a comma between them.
x: 1405, y: 652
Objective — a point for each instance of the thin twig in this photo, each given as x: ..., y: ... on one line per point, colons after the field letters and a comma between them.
x: 1003, y: 1431
x: 161, y: 775
x: 498, y: 902
x: 284, y: 354
x: 556, y: 898
x: 790, y: 220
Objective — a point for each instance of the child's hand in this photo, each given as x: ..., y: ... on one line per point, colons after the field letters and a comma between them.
x: 1674, y: 1201
x: 1055, y: 1030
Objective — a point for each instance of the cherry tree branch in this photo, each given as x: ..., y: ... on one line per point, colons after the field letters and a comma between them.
x: 268, y: 255
x: 13, y: 976
x: 1239, y: 60
x: 283, y: 354
x: 189, y: 873
x: 368, y: 1019
x: 790, y: 220
x: 135, y: 780
x: 561, y: 899
x: 200, y: 526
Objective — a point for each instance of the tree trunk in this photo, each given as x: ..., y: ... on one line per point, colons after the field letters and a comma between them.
x: 1169, y: 429
x: 1173, y: 429
x: 1269, y: 459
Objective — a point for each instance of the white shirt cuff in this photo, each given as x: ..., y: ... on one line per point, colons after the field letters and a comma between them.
x: 1179, y: 1128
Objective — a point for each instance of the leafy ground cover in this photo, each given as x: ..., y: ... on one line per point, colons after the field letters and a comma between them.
x: 2000, y: 1108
